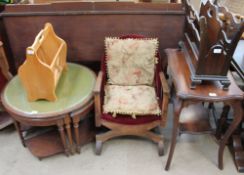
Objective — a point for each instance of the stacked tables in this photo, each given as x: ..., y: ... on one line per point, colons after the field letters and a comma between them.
x: 75, y: 99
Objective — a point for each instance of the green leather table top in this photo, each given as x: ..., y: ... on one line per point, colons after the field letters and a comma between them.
x: 75, y: 88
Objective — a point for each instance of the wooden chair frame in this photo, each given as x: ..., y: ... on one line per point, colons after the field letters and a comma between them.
x: 116, y: 129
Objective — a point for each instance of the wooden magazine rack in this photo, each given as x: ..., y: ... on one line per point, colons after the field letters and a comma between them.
x: 207, y: 47
x: 45, y: 61
x: 234, y: 28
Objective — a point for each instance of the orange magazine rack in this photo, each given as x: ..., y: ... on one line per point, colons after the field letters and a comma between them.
x: 45, y: 61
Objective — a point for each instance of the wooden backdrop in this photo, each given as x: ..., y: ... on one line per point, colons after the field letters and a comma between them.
x: 84, y: 25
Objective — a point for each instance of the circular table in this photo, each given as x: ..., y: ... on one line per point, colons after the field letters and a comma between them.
x: 74, y: 96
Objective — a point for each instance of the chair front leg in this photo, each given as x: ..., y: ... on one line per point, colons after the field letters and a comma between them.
x: 98, y: 110
x: 97, y: 99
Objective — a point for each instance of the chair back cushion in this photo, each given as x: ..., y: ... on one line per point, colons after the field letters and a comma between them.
x: 131, y: 61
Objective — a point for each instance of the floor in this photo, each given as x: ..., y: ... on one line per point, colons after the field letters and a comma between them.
x: 194, y: 154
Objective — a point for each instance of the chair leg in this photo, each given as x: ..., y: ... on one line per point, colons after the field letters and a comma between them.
x: 161, y: 148
x: 98, y: 147
x: 100, y: 138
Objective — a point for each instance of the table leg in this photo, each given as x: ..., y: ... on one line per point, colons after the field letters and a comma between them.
x: 67, y: 121
x: 237, y: 118
x: 60, y: 125
x: 77, y: 134
x: 178, y: 105
x: 18, y: 128
x: 222, y: 121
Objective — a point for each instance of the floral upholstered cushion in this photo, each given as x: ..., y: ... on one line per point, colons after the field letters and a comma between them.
x: 131, y: 61
x: 133, y: 100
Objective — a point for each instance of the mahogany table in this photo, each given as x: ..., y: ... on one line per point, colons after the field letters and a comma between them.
x: 210, y: 92
x: 74, y: 92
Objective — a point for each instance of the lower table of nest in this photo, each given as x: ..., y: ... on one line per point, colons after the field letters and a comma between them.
x: 74, y: 92
x: 5, y: 119
x: 42, y: 141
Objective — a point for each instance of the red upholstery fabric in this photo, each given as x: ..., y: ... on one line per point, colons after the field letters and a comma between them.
x: 125, y: 119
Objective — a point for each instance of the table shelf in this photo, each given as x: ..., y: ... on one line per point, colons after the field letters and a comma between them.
x: 195, y: 120
x: 46, y: 144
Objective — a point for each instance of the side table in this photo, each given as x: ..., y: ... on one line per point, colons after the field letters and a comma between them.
x: 210, y: 92
x: 74, y: 91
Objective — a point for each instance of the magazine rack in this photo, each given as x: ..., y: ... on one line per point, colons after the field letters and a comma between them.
x: 45, y: 61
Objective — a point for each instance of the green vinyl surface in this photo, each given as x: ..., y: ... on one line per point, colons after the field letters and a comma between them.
x: 74, y: 89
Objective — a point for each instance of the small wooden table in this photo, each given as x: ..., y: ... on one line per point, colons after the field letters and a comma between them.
x: 209, y: 92
x: 74, y: 92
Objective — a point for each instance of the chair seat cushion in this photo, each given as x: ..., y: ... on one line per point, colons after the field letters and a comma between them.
x: 131, y: 61
x: 132, y: 100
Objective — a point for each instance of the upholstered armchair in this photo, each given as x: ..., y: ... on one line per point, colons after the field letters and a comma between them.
x: 131, y: 93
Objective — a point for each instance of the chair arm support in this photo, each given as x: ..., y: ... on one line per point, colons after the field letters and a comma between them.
x: 165, y: 101
x: 97, y: 99
x: 164, y: 84
x: 98, y: 84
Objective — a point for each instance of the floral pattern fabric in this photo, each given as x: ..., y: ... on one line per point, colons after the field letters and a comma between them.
x: 134, y: 100
x: 131, y: 61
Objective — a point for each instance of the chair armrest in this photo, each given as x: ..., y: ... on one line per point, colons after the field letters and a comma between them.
x: 165, y: 101
x: 97, y: 98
